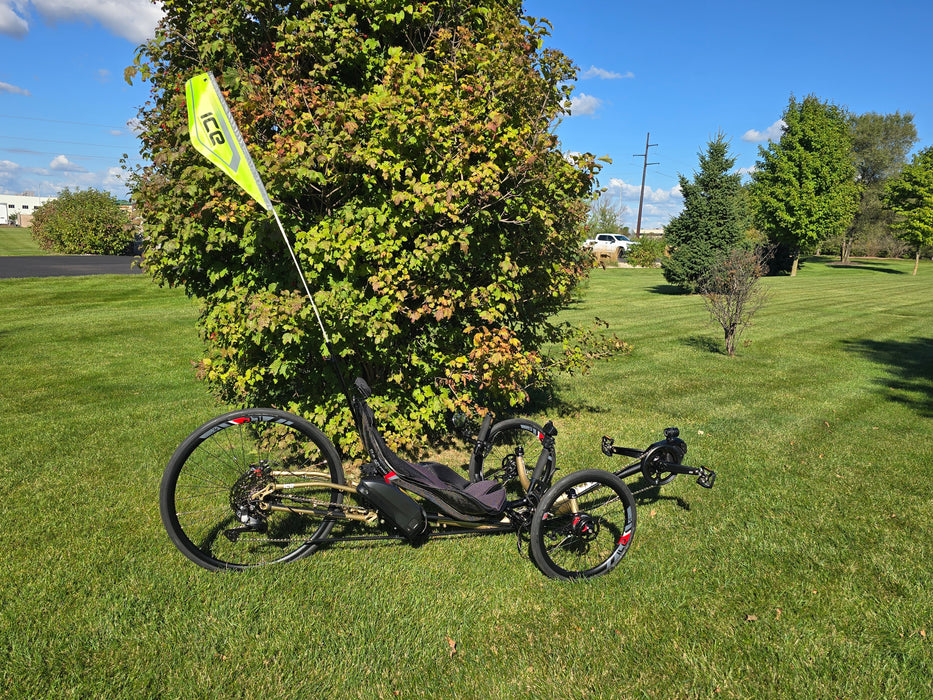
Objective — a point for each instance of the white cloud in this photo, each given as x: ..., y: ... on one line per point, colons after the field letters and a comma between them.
x: 584, y: 104
x: 651, y: 195
x: 61, y: 173
x: 604, y: 74
x: 134, y: 20
x: 63, y: 165
x: 14, y: 89
x: 11, y: 23
x: 659, y: 206
x: 772, y: 133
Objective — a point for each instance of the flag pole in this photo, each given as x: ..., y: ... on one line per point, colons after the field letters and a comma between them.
x: 304, y: 281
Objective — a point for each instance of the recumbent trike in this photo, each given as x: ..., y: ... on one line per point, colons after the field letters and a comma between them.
x: 259, y: 486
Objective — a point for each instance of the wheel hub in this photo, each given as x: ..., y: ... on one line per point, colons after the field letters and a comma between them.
x: 585, y: 527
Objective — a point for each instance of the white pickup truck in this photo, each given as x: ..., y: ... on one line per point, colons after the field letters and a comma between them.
x: 609, y: 240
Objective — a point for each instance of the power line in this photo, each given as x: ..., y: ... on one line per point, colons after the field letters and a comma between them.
x: 70, y: 143
x: 24, y: 151
x: 61, y: 121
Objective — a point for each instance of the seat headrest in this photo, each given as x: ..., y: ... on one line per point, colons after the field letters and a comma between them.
x: 363, y: 388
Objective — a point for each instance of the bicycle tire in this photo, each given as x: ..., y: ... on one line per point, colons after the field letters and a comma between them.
x: 208, y: 485
x: 583, y: 525
x: 509, y: 455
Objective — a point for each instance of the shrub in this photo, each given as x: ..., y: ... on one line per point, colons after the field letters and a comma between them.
x: 410, y: 153
x: 83, y: 222
x: 646, y: 252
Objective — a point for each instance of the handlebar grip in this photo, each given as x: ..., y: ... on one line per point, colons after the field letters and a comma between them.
x: 484, y: 428
x: 541, y: 465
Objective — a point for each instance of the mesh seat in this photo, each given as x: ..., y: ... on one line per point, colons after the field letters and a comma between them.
x: 449, y: 491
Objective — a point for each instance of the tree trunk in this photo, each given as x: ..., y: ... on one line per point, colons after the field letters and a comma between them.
x: 793, y: 269
x: 917, y: 261
x: 846, y: 250
x: 731, y: 331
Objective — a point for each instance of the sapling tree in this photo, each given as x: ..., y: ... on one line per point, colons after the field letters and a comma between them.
x: 732, y: 293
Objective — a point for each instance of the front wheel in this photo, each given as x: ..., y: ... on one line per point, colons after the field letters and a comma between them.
x: 220, y: 498
x: 508, y: 455
x: 583, y: 525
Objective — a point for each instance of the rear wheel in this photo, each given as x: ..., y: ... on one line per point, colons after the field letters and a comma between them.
x: 220, y: 499
x: 583, y: 525
x: 509, y: 456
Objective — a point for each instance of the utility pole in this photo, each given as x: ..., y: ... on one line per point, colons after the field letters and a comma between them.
x: 641, y: 197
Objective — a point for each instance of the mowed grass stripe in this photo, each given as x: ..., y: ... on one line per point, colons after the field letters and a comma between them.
x: 803, y: 573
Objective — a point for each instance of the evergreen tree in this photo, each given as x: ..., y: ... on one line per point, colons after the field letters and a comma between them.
x: 804, y: 187
x: 712, y: 221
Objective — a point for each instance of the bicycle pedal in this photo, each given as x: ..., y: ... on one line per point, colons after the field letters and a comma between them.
x: 707, y: 479
x: 608, y: 442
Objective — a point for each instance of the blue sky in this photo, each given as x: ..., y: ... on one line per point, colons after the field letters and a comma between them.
x: 681, y: 70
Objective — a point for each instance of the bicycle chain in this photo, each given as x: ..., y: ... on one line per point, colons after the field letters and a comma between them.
x: 642, y: 490
x: 343, y: 507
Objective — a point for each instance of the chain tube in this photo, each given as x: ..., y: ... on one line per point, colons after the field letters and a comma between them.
x: 369, y: 517
x: 469, y: 532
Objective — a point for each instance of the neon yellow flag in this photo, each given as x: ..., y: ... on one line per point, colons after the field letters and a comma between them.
x: 215, y: 134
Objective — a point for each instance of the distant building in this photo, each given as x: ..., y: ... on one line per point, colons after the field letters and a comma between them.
x: 652, y: 232
x: 22, y: 206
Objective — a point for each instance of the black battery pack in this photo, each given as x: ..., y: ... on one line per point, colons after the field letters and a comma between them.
x: 395, y: 506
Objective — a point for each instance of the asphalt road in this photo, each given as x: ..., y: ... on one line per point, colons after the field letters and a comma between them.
x: 66, y: 265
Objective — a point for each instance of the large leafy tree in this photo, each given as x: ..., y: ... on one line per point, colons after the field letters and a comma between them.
x: 713, y: 219
x: 409, y: 150
x: 910, y: 196
x: 804, y: 188
x: 880, y: 143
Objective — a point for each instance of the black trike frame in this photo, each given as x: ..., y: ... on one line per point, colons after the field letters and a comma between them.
x: 279, y: 490
x: 589, y: 514
x: 660, y: 462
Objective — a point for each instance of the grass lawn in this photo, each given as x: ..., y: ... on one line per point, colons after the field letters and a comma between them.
x: 804, y: 573
x: 18, y: 241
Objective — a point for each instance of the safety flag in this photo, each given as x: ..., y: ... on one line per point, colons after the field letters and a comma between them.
x: 215, y: 134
